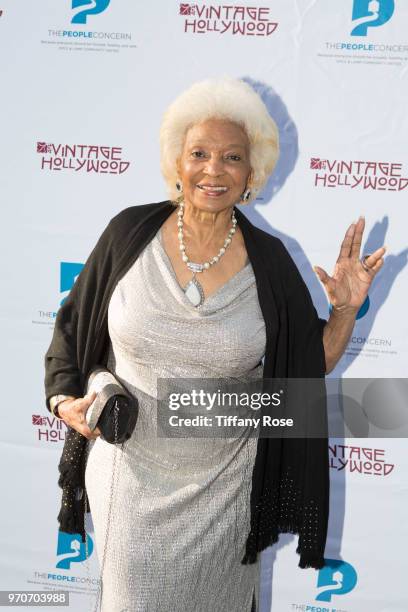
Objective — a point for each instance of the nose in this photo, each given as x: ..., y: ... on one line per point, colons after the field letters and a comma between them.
x: 214, y: 166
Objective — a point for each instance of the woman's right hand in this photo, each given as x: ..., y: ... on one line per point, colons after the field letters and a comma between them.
x: 73, y: 412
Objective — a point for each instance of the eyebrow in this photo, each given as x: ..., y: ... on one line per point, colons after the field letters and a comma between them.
x: 229, y: 146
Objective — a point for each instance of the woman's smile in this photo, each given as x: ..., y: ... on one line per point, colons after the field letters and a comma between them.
x: 213, y: 191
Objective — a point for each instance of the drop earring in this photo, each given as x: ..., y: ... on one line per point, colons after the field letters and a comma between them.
x: 179, y: 187
x: 245, y: 196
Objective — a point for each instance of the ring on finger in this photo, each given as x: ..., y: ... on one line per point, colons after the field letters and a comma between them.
x: 363, y: 263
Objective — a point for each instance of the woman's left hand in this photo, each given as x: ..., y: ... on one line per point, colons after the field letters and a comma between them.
x: 348, y: 287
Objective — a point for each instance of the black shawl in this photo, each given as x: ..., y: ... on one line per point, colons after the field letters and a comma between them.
x: 290, y: 480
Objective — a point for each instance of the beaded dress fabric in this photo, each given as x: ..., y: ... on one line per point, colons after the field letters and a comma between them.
x: 180, y: 513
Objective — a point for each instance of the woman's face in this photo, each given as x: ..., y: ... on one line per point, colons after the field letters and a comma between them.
x: 214, y: 165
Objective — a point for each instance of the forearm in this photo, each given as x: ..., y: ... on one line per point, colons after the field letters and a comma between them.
x: 336, y: 335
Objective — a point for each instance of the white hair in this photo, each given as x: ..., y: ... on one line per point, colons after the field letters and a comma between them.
x: 220, y: 98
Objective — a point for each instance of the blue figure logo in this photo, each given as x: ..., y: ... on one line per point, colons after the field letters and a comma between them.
x: 68, y: 274
x: 339, y: 576
x: 71, y: 549
x: 370, y: 13
x: 363, y: 308
x: 92, y: 7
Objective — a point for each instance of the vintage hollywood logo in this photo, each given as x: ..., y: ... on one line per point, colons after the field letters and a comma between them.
x: 359, y: 459
x: 82, y: 158
x: 49, y: 428
x: 353, y: 174
x: 232, y: 19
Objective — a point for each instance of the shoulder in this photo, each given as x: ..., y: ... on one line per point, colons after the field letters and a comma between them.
x: 132, y: 215
x: 266, y: 243
x: 123, y: 225
x: 267, y: 239
x: 279, y: 262
x: 272, y: 246
x: 133, y: 219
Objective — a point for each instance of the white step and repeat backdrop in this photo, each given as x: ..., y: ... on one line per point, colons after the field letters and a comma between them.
x: 84, y: 85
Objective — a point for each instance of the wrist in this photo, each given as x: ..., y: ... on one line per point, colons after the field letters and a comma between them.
x: 345, y: 311
x: 56, y: 401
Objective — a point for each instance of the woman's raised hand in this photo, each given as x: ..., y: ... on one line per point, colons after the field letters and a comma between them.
x: 348, y: 287
x: 73, y: 412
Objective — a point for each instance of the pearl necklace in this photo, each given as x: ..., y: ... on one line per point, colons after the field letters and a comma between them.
x: 193, y: 289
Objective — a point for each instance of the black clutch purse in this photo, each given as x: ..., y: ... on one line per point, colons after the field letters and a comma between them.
x: 114, y: 410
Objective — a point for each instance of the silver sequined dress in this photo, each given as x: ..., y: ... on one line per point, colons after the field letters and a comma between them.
x: 180, y: 514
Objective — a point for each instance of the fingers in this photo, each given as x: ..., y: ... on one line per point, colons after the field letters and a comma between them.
x: 357, y: 239
x: 75, y: 416
x: 86, y: 431
x: 347, y: 242
x: 322, y: 274
x: 375, y: 258
x: 90, y: 397
x: 351, y: 245
x: 377, y: 266
x: 328, y: 282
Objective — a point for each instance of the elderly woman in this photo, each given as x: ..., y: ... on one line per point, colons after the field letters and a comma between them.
x: 190, y: 288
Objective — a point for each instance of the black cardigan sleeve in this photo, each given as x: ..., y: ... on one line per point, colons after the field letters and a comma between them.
x: 306, y: 327
x: 75, y: 322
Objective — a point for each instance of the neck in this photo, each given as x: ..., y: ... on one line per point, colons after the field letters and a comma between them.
x: 204, y: 226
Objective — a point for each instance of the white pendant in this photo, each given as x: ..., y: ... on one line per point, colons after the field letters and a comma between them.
x: 194, y: 292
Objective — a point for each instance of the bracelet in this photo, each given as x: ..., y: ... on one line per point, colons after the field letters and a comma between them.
x: 55, y: 401
x: 56, y: 413
x: 344, y: 308
x: 339, y: 308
